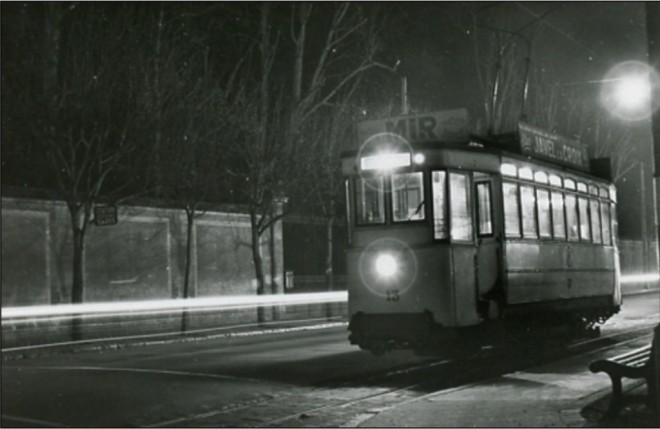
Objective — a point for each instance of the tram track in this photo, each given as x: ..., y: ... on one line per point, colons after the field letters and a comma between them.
x: 347, y: 404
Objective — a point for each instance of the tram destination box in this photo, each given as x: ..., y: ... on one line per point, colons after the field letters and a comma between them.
x: 541, y: 144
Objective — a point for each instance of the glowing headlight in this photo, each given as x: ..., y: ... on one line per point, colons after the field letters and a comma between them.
x: 385, y: 161
x: 386, y: 265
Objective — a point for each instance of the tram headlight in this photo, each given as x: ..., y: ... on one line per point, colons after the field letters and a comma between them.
x: 385, y: 161
x: 386, y: 265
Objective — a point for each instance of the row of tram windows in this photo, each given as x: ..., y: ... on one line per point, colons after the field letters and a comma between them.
x: 536, y: 205
x: 549, y: 207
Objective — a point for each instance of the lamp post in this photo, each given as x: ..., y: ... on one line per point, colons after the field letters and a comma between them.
x: 652, y: 10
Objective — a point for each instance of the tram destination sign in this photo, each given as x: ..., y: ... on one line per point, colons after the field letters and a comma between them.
x: 541, y: 144
x: 446, y: 125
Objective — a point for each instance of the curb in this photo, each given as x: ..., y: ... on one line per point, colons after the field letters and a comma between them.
x: 118, y: 343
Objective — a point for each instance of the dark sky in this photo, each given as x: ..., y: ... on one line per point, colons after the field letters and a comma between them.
x: 576, y: 42
x: 573, y: 44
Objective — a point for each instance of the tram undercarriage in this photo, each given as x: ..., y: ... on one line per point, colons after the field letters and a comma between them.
x: 538, y: 322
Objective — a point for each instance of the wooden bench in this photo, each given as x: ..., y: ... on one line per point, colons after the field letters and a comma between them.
x: 635, y: 364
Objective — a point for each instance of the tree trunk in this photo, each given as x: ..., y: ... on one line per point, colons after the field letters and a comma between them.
x: 257, y: 259
x: 273, y: 269
x: 78, y: 223
x: 190, y: 220
x: 329, y: 272
x: 77, y: 290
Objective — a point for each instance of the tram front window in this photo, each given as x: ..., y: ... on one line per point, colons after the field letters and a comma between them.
x: 370, y: 204
x: 408, y: 197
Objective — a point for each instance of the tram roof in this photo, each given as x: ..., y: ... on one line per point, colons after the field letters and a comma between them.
x: 507, y: 145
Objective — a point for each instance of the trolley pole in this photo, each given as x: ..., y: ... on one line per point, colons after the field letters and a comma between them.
x: 652, y: 10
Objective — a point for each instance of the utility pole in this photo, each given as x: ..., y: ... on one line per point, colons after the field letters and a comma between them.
x: 652, y: 10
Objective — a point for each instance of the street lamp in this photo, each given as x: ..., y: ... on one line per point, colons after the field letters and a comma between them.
x: 628, y: 90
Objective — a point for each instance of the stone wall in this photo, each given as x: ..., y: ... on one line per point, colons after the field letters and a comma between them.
x: 141, y: 257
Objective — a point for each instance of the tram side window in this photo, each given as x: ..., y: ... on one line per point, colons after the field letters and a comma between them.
x: 459, y: 203
x: 583, y: 209
x: 407, y: 197
x: 543, y: 204
x: 528, y: 202
x: 595, y: 221
x: 605, y: 220
x: 572, y: 218
x: 558, y: 221
x: 511, y: 209
x: 440, y: 226
x: 370, y: 202
x: 484, y: 210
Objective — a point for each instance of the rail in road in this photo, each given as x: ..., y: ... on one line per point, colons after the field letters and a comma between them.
x: 329, y: 409
x: 305, y: 378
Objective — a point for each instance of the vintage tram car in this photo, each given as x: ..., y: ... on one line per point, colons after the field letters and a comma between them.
x: 450, y: 241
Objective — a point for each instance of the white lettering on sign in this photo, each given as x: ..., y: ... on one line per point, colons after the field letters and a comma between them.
x: 450, y: 125
x: 545, y: 145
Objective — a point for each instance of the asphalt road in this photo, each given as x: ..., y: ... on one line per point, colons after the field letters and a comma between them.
x: 221, y: 382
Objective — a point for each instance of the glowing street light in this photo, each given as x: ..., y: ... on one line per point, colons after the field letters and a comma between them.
x: 627, y: 90
x: 633, y: 92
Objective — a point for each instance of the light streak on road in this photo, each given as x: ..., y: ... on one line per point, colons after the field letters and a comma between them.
x: 640, y: 278
x: 170, y: 305
x: 134, y: 308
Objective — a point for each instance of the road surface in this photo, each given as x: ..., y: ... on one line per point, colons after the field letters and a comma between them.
x: 238, y: 381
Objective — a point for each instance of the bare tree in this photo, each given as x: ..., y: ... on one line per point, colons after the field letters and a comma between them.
x: 278, y: 117
x: 331, y: 132
x: 87, y: 117
x: 195, y: 155
x: 503, y: 47
x: 569, y: 110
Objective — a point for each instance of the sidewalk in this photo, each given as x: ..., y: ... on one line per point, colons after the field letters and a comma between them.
x: 635, y: 415
x: 561, y: 394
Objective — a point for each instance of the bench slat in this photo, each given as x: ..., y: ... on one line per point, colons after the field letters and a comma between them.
x: 642, y: 350
x: 636, y: 360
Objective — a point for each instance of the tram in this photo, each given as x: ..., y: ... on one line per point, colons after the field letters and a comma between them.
x: 449, y: 239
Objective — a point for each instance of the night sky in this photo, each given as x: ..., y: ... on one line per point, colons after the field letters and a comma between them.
x: 573, y: 44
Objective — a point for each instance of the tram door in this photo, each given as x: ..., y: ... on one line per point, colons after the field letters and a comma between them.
x: 489, y: 243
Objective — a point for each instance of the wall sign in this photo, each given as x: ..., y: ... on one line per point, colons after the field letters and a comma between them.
x: 105, y: 215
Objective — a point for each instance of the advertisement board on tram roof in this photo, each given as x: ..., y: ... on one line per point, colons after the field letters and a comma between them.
x: 446, y: 125
x: 541, y: 144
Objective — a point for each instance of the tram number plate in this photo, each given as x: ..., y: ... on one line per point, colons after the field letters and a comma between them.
x: 393, y: 295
